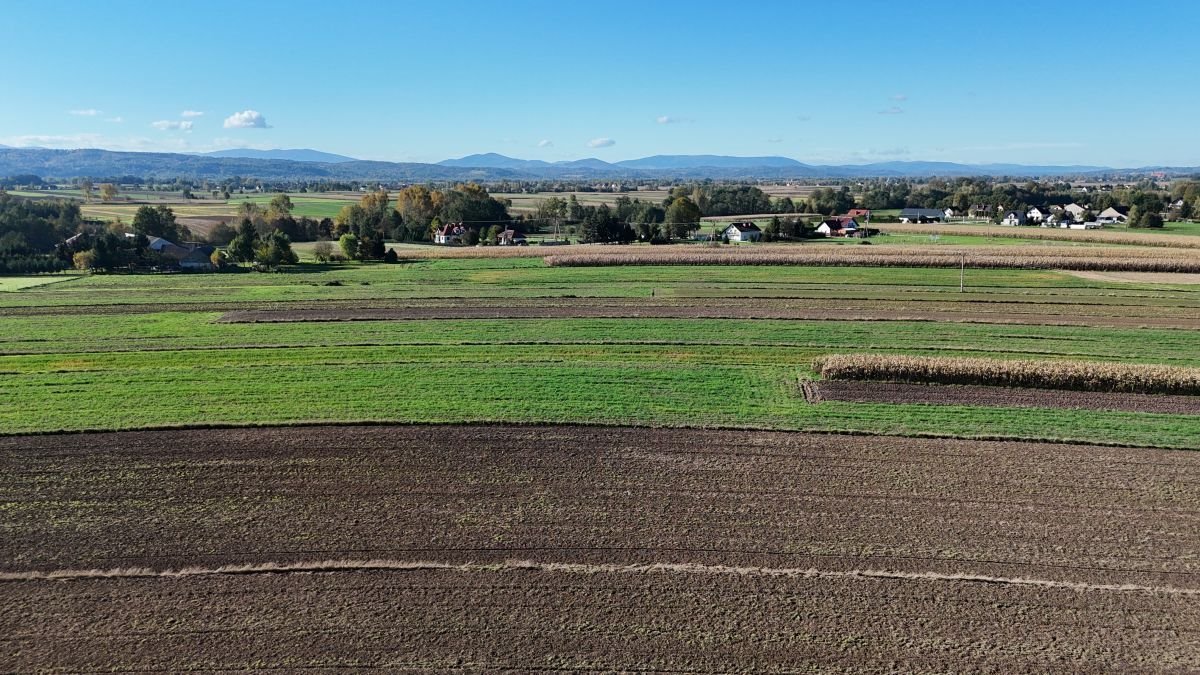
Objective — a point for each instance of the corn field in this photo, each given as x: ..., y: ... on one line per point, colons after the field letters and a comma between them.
x: 1073, y: 375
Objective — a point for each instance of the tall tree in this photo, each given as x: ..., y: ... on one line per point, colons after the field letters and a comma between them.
x: 108, y: 192
x: 86, y: 186
x: 683, y: 216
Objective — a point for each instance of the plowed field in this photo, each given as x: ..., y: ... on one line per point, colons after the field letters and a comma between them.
x: 593, y: 548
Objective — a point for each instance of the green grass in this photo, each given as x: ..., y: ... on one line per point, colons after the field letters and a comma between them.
x: 10, y: 284
x: 77, y: 370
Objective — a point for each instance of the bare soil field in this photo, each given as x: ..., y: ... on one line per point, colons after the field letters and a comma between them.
x: 1140, y: 277
x: 1065, y: 313
x: 490, y: 547
x: 1003, y: 397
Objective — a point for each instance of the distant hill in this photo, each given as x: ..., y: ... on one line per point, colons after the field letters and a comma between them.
x: 487, y: 167
x: 659, y: 162
x: 297, y: 155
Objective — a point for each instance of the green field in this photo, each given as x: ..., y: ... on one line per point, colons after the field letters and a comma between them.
x: 172, y: 363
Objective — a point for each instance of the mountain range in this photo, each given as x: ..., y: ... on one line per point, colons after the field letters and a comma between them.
x: 304, y: 164
x: 298, y: 155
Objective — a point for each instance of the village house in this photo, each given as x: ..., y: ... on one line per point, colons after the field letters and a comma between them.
x: 859, y: 213
x: 739, y: 232
x: 1112, y: 215
x: 1036, y: 215
x: 1013, y: 218
x: 510, y: 237
x: 450, y: 233
x: 922, y: 215
x: 844, y: 226
x: 1075, y: 210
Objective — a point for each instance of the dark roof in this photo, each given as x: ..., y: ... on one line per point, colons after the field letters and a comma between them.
x: 745, y: 227
x: 922, y: 213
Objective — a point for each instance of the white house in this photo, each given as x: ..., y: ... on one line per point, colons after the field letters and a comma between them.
x: 1075, y: 210
x: 1037, y: 215
x: 838, y: 227
x: 450, y: 233
x: 738, y: 232
x: 1111, y: 215
x: 1013, y: 218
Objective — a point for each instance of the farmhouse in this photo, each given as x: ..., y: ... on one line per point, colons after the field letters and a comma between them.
x: 199, y: 258
x: 741, y: 232
x: 1036, y: 215
x: 859, y: 213
x: 922, y: 215
x: 1075, y: 210
x: 1013, y: 218
x: 844, y: 226
x: 450, y: 233
x: 1112, y: 215
x: 510, y: 237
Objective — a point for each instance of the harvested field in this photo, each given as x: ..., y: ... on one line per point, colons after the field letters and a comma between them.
x: 1073, y: 375
x: 601, y: 548
x: 1141, y: 277
x: 1124, y: 236
x: 1003, y: 397
x: 1011, y: 257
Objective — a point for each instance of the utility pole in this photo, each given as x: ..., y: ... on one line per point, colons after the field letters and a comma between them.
x: 962, y: 271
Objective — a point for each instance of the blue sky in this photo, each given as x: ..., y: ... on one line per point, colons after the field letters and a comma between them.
x: 1100, y: 82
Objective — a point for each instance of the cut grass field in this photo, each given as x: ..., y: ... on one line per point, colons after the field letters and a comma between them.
x: 82, y: 364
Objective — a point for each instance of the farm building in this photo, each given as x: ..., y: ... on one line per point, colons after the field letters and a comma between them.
x: 1082, y: 226
x: 510, y: 237
x: 199, y: 258
x: 922, y: 215
x: 859, y: 213
x: 742, y: 232
x: 838, y: 227
x: 1013, y: 218
x: 450, y: 233
x: 1075, y: 210
x: 1112, y: 215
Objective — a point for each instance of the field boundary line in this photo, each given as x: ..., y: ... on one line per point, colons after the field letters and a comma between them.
x: 304, y: 424
x: 329, y: 566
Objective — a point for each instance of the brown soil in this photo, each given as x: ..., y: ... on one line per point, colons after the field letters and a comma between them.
x: 1002, y: 397
x: 1140, y: 277
x: 1075, y: 523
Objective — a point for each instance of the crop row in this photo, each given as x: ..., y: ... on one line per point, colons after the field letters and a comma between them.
x: 1074, y: 375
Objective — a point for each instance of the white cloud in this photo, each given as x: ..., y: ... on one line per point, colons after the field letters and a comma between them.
x: 545, y: 143
x: 803, y: 118
x: 601, y: 143
x: 894, y: 110
x: 666, y: 119
x: 87, y: 112
x: 775, y: 139
x: 191, y: 113
x: 116, y: 120
x: 900, y: 97
x: 246, y: 119
x: 169, y: 125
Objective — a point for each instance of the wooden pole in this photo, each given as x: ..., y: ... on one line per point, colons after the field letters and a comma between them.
x: 962, y: 271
